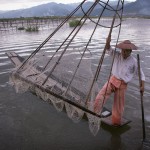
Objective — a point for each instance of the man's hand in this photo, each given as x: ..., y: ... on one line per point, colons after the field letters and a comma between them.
x: 142, y: 88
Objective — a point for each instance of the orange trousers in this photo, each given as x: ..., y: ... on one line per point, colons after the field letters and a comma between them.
x: 119, y: 88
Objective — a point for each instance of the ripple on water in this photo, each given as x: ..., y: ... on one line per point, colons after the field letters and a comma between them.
x: 147, y: 118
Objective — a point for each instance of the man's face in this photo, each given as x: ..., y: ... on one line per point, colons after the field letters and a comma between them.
x: 126, y: 53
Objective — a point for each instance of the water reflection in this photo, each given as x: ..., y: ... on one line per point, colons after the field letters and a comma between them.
x: 115, y: 142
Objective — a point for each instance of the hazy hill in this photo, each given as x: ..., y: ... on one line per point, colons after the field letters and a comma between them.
x: 140, y: 7
x: 49, y: 9
x: 3, y: 11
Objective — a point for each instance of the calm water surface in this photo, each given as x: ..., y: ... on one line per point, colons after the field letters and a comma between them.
x: 27, y: 123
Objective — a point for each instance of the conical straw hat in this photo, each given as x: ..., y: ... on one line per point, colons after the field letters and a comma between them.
x: 126, y: 45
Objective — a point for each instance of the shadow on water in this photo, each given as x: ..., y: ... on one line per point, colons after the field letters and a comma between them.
x: 116, y: 142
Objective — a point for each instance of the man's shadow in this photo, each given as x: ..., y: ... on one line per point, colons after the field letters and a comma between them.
x: 116, y: 132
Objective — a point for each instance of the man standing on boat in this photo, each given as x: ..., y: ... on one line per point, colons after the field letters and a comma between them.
x: 124, y: 69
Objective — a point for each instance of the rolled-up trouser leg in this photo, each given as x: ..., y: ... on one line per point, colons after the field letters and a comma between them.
x: 118, y: 106
x: 102, y: 96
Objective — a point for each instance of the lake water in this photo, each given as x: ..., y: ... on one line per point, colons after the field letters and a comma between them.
x: 27, y: 123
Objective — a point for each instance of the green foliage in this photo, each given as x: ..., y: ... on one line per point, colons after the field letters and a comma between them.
x: 74, y: 23
x: 21, y: 28
x: 32, y: 29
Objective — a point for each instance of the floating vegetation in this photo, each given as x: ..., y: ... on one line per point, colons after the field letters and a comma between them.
x: 32, y: 29
x: 21, y: 28
x: 74, y: 23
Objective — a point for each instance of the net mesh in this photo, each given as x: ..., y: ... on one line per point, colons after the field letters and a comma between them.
x: 65, y: 64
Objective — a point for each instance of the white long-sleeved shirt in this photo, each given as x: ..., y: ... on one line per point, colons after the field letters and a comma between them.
x: 124, y: 69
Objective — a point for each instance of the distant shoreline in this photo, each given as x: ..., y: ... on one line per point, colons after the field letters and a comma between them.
x: 63, y: 17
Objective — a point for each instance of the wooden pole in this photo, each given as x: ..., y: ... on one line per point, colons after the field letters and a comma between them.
x: 141, y: 95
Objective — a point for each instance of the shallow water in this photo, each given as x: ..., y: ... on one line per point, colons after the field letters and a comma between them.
x: 26, y: 122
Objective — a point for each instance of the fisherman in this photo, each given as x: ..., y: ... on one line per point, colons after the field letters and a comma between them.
x: 124, y: 69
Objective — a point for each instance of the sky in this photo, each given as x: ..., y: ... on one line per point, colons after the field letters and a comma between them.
x: 20, y: 4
